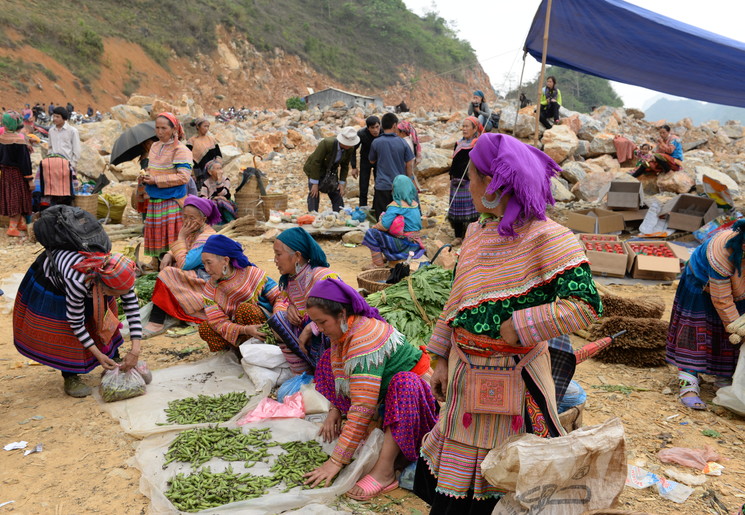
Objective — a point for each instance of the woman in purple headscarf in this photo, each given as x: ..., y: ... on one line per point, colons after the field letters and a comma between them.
x: 369, y: 365
x: 178, y: 290
x: 521, y: 280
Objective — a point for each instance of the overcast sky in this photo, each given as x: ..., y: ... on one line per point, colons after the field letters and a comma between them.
x: 497, y: 30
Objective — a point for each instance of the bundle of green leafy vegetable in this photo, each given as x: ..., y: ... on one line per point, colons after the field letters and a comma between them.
x: 144, y: 286
x: 431, y: 285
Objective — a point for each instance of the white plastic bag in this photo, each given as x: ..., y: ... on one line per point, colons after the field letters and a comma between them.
x: 264, y: 364
x: 569, y: 475
x: 733, y: 397
x: 313, y: 401
x: 117, y: 385
x: 154, y: 481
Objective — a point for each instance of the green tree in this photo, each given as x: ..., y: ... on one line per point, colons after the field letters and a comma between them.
x: 579, y: 91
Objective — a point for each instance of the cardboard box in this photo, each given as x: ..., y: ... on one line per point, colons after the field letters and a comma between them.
x: 656, y: 267
x: 625, y: 195
x: 634, y: 215
x: 689, y: 212
x: 603, y: 261
x: 595, y: 220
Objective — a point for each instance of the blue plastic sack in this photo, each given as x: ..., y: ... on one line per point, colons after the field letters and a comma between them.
x: 574, y: 396
x: 292, y: 386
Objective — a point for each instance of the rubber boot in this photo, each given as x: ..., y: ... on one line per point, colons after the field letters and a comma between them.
x: 22, y: 224
x: 75, y: 387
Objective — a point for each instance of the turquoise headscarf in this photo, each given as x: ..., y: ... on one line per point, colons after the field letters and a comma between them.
x: 404, y: 190
x: 299, y: 240
x: 12, y: 121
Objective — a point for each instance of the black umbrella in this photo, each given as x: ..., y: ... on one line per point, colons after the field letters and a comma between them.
x: 127, y: 146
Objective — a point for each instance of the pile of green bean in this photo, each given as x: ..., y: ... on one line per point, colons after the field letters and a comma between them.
x: 269, y: 336
x: 299, y: 459
x: 206, y: 489
x: 203, y: 408
x: 198, y: 446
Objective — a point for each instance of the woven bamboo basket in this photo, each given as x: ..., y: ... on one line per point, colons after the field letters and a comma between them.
x: 273, y: 202
x: 88, y: 203
x: 374, y: 280
x: 248, y: 203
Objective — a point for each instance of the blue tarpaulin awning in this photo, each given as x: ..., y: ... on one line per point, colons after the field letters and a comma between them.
x: 619, y: 41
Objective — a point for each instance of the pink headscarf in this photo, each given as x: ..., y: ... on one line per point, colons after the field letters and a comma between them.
x: 518, y: 170
x: 409, y: 130
x: 176, y: 124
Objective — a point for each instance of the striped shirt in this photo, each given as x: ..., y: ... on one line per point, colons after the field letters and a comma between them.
x: 76, y: 292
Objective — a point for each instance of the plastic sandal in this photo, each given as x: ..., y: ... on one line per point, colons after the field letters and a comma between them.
x: 693, y: 402
x: 689, y: 384
x: 147, y: 333
x: 371, y: 488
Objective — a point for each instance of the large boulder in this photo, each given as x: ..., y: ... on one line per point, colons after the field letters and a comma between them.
x: 234, y: 168
x: 636, y: 114
x: 722, y: 178
x: 676, y: 182
x: 590, y: 127
x: 229, y: 153
x: 595, y: 184
x: 560, y: 142
x: 525, y: 127
x: 607, y: 162
x: 140, y: 101
x: 560, y: 192
x: 101, y: 135
x: 160, y: 106
x: 573, y: 172
x: 264, y: 143
x: 129, y: 115
x: 434, y: 162
x: 601, y: 144
x: 127, y: 171
x: 734, y: 131
x: 90, y: 164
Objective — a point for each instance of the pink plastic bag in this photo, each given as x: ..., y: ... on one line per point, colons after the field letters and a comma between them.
x: 694, y: 458
x: 292, y: 407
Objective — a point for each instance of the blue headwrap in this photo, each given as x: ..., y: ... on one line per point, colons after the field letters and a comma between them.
x: 479, y: 93
x: 404, y: 190
x: 220, y: 245
x: 735, y: 244
x: 299, y: 240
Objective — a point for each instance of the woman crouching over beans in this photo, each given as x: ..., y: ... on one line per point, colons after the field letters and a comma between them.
x: 369, y: 368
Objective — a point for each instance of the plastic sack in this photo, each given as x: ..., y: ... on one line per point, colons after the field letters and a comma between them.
x: 269, y: 408
x: 733, y: 397
x: 694, y: 458
x: 293, y: 385
x: 568, y: 475
x: 574, y: 396
x: 144, y: 371
x: 111, y: 207
x: 154, y: 481
x: 264, y: 364
x: 118, y: 386
x: 313, y: 401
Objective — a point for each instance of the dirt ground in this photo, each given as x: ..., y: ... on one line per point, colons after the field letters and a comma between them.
x: 83, y: 467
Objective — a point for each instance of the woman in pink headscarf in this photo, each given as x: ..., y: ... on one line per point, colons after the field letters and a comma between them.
x: 168, y: 172
x: 178, y: 290
x: 521, y: 280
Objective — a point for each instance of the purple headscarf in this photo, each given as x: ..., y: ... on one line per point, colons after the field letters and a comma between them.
x: 519, y: 170
x: 206, y: 206
x: 338, y: 291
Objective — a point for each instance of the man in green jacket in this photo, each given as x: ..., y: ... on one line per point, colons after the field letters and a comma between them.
x: 331, y: 156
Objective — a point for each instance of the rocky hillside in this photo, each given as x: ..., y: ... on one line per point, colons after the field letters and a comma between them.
x: 230, y: 52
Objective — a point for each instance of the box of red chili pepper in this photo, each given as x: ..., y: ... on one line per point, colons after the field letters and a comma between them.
x: 656, y: 260
x: 607, y: 254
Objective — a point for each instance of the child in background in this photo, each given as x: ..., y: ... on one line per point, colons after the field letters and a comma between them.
x: 644, y: 155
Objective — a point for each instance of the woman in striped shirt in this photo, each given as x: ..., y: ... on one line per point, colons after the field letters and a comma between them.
x: 370, y: 364
x: 65, y: 314
x: 238, y: 298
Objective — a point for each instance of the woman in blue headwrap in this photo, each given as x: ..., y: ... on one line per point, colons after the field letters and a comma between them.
x: 238, y: 298
x: 302, y: 263
x: 16, y: 176
x: 397, y: 232
x: 178, y: 290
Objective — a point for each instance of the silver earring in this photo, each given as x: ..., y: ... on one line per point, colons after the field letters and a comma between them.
x: 298, y: 267
x: 490, y: 204
x: 225, y: 271
x: 344, y: 326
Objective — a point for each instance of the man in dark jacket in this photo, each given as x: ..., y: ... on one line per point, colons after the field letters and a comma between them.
x: 367, y: 136
x: 331, y: 156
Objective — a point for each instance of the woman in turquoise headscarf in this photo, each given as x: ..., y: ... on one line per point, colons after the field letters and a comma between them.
x: 397, y: 232
x: 16, y: 176
x: 302, y: 263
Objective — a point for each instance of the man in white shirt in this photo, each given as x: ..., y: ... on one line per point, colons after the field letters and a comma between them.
x: 63, y: 137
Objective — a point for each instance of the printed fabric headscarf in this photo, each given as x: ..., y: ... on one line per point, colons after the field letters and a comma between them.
x: 199, y: 120
x: 212, y: 163
x: 464, y: 143
x: 409, y: 130
x: 735, y: 244
x: 115, y: 270
x: 337, y: 290
x: 299, y: 240
x: 404, y: 190
x: 206, y: 206
x: 174, y: 121
x: 220, y: 245
x: 12, y: 121
x: 518, y: 170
